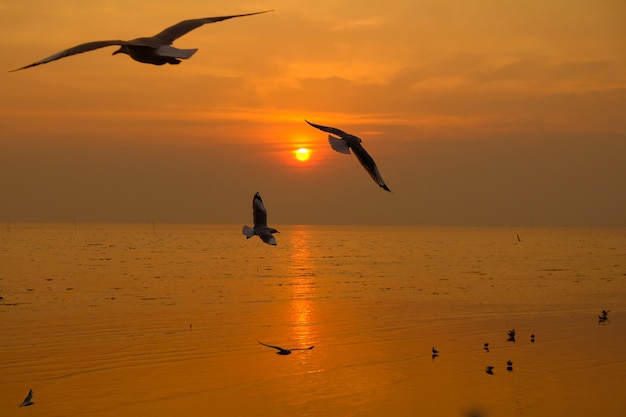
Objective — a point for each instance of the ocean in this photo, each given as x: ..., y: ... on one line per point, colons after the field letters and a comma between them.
x: 162, y: 320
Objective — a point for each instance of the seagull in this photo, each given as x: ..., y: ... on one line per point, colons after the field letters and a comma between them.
x: 489, y: 370
x: 157, y: 49
x: 344, y: 143
x: 486, y: 346
x: 509, y: 365
x: 285, y: 352
x: 511, y: 334
x: 435, y: 353
x: 604, y: 316
x: 260, y: 223
x: 28, y: 400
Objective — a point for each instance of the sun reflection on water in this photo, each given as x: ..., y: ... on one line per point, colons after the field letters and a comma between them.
x: 301, y: 272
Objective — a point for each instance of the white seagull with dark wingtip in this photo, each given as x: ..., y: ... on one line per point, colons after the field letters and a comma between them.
x: 283, y: 352
x: 28, y: 400
x: 344, y: 143
x: 260, y: 228
x: 157, y: 50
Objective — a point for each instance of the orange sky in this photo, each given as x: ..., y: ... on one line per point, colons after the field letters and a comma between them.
x: 476, y: 112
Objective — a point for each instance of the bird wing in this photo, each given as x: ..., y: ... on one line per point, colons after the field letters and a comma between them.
x: 275, y: 347
x: 339, y: 145
x: 309, y: 348
x: 267, y: 236
x: 370, y: 166
x: 28, y: 399
x: 259, y: 213
x: 174, y: 32
x: 327, y: 129
x: 78, y: 49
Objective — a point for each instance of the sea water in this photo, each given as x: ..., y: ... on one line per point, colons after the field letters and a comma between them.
x: 162, y: 320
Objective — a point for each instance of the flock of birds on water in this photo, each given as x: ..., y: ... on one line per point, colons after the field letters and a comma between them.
x: 602, y: 318
x: 158, y: 50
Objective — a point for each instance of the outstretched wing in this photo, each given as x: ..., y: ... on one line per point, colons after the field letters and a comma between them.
x: 309, y: 348
x: 275, y: 347
x: 327, y: 129
x: 370, y: 166
x: 174, y: 32
x: 259, y: 214
x: 75, y: 50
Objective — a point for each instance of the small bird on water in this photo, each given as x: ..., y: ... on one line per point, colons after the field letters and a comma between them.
x: 511, y: 334
x: 284, y: 352
x: 489, y: 370
x: 604, y: 316
x: 435, y: 353
x: 28, y: 400
x: 156, y: 50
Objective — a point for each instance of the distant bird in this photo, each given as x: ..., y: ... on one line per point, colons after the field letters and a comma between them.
x: 28, y: 400
x: 532, y: 338
x: 285, y: 352
x: 344, y: 143
x: 435, y: 353
x: 260, y: 228
x: 155, y: 50
x: 604, y: 316
x: 489, y: 370
x: 511, y: 334
x: 509, y: 365
x: 486, y: 346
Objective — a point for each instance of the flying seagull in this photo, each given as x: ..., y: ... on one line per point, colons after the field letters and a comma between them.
x: 284, y: 352
x: 260, y: 228
x: 157, y: 50
x: 28, y: 400
x: 344, y: 143
x: 489, y: 370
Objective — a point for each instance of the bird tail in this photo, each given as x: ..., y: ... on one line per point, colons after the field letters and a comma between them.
x: 248, y: 231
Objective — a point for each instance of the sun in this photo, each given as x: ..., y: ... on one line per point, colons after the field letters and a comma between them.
x: 302, y: 154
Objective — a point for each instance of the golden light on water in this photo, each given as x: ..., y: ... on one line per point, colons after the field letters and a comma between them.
x: 302, y: 271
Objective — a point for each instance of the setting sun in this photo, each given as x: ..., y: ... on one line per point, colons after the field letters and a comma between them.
x: 302, y: 154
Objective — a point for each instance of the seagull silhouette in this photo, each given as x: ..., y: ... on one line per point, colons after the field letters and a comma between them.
x: 489, y: 370
x: 285, y: 352
x: 155, y: 50
x: 28, y: 400
x: 511, y: 334
x: 486, y: 346
x: 344, y: 143
x: 260, y: 228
